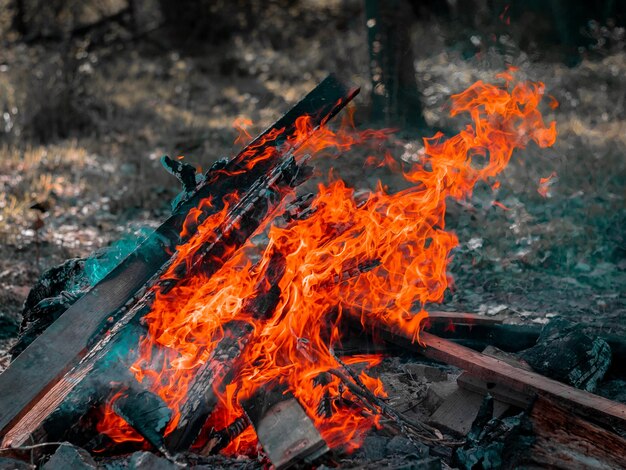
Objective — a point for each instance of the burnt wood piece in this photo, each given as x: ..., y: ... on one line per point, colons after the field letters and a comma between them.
x: 146, y: 412
x: 42, y: 364
x: 287, y: 434
x: 219, y: 439
x: 217, y: 372
x: 553, y: 437
x: 489, y: 369
x: 513, y: 338
x: 567, y: 353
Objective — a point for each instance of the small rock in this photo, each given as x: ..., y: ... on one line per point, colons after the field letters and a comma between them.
x: 68, y: 456
x: 400, y: 445
x: 7, y: 463
x: 373, y: 448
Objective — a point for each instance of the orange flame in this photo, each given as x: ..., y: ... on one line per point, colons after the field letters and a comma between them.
x: 546, y: 183
x: 400, y: 236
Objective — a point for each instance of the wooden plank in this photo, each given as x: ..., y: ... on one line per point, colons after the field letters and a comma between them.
x: 526, y: 382
x: 490, y: 369
x: 500, y: 392
x: 287, y: 434
x: 457, y: 413
x: 560, y: 440
x: 44, y: 362
x: 461, y: 318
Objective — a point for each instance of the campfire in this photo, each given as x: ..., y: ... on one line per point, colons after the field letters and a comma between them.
x: 224, y: 331
x: 374, y: 259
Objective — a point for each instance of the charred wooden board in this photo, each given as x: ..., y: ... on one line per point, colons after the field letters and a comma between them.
x: 286, y: 433
x: 491, y: 369
x: 42, y: 364
x: 212, y: 377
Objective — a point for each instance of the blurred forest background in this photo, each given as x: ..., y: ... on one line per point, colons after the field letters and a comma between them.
x: 94, y: 92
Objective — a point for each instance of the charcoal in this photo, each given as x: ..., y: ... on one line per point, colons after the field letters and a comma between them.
x: 486, y: 439
x: 184, y: 172
x: 400, y: 445
x: 186, y: 175
x: 146, y: 412
x: 566, y: 352
x: 373, y: 448
x: 68, y: 276
x: 68, y: 456
x: 55, y: 290
x: 7, y: 463
x: 613, y: 390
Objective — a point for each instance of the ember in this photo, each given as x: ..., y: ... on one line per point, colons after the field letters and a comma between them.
x: 312, y: 266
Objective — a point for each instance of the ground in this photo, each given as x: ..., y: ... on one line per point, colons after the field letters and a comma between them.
x: 98, y: 177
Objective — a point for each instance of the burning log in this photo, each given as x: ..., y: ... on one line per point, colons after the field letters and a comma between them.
x: 218, y: 370
x: 84, y: 326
